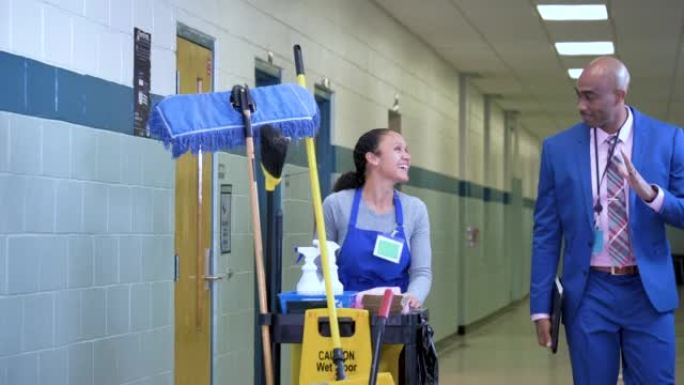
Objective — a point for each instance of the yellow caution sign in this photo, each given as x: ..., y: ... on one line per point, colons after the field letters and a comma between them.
x: 316, y: 364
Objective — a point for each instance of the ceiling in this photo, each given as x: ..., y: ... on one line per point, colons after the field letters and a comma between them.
x: 509, y: 49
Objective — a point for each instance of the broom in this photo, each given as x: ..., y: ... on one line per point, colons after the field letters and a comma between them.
x: 273, y: 153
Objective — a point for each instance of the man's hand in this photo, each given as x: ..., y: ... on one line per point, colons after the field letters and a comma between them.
x: 634, y: 179
x: 543, y: 332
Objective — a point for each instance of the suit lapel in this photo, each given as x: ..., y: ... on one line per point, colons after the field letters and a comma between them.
x: 639, y: 138
x: 583, y: 162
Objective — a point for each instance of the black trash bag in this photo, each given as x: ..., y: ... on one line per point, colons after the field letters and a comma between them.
x: 428, y: 365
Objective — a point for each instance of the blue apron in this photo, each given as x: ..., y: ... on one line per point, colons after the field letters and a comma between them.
x: 358, y: 268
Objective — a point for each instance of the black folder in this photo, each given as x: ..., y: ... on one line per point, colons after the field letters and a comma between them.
x: 556, y: 310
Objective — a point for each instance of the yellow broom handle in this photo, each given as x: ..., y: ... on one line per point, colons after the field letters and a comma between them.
x: 320, y: 230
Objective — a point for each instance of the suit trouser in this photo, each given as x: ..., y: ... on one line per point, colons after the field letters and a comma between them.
x: 616, y: 320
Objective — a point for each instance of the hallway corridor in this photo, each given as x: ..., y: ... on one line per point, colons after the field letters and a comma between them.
x: 505, y: 351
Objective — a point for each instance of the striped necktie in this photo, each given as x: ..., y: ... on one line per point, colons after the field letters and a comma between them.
x: 618, y: 232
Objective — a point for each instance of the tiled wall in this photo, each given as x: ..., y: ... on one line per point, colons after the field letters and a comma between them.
x: 92, y: 37
x: 86, y: 248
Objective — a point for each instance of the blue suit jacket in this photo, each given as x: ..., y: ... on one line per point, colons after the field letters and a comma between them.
x: 563, y: 214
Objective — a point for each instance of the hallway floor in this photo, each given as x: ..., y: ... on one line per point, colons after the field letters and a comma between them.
x: 505, y: 351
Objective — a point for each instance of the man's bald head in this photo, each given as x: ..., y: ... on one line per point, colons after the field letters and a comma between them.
x: 611, y: 69
x: 601, y: 92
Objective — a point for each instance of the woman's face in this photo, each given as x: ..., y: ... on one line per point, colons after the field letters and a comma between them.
x: 391, y: 160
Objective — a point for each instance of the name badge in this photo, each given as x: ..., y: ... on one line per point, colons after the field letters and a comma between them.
x: 388, y: 248
x: 598, y: 241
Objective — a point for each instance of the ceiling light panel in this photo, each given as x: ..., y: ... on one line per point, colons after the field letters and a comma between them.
x: 574, y: 73
x: 553, y: 12
x: 585, y: 48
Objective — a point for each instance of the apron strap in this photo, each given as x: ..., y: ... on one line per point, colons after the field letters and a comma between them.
x: 398, y: 212
x: 355, y: 208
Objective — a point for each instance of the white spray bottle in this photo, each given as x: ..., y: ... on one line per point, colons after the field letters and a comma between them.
x: 337, y: 286
x: 309, y: 283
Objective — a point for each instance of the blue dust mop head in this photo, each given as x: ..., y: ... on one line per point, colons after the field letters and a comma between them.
x: 208, y: 122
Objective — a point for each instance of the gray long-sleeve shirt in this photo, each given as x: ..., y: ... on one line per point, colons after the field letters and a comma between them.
x: 337, y: 210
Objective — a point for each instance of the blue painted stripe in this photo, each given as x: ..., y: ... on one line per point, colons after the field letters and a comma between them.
x: 38, y: 89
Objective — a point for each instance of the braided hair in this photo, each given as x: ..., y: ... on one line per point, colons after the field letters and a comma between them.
x: 368, y: 142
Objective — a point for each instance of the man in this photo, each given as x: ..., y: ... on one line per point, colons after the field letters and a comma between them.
x: 607, y: 187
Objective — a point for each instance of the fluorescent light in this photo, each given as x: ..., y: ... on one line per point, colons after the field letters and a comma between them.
x: 573, y: 12
x: 575, y: 72
x: 580, y: 48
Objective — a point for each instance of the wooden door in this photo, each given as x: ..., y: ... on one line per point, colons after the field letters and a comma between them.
x: 193, y: 235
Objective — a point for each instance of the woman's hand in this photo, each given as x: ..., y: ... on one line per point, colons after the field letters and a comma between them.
x: 412, y: 301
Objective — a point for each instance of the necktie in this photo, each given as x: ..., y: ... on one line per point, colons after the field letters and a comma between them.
x: 618, y: 234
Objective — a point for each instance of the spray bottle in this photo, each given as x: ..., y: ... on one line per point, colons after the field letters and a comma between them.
x: 309, y: 283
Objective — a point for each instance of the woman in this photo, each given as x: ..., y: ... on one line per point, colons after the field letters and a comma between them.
x: 385, y: 234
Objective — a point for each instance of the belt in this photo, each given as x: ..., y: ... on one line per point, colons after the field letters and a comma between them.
x: 624, y: 270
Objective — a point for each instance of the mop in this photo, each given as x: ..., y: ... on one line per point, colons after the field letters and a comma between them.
x: 208, y: 123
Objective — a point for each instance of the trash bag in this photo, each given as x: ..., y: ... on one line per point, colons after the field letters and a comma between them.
x: 428, y: 365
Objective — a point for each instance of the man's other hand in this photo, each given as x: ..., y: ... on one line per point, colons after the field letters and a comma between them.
x: 543, y: 332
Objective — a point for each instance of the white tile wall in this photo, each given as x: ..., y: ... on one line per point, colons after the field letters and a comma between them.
x: 80, y: 261
x: 3, y: 266
x: 80, y: 369
x: 163, y: 79
x: 109, y: 59
x: 164, y: 26
x: 83, y: 153
x: 5, y: 25
x: 10, y: 326
x: 25, y: 139
x: 71, y: 270
x: 97, y: 10
x: 118, y: 308
x: 39, y: 205
x: 127, y: 61
x: 121, y: 16
x: 22, y: 261
x: 22, y: 369
x: 106, y: 260
x: 109, y: 154
x: 56, y: 147
x: 53, y: 262
x: 69, y: 206
x: 39, y: 316
x: 93, y: 313
x: 95, y: 208
x: 72, y: 6
x: 143, y: 15
x: 140, y: 307
x: 86, y: 46
x: 58, y: 29
x: 52, y: 369
x: 12, y: 190
x: 67, y: 317
x: 4, y: 142
x: 27, y: 19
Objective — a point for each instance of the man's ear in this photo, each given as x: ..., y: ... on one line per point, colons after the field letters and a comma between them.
x: 621, y: 95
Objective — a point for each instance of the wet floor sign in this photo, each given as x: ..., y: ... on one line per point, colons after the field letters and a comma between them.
x: 316, y: 363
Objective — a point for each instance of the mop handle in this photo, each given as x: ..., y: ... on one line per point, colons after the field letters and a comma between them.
x: 338, y: 357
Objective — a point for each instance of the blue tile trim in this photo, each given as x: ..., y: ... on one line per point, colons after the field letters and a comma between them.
x: 422, y: 178
x: 38, y: 89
